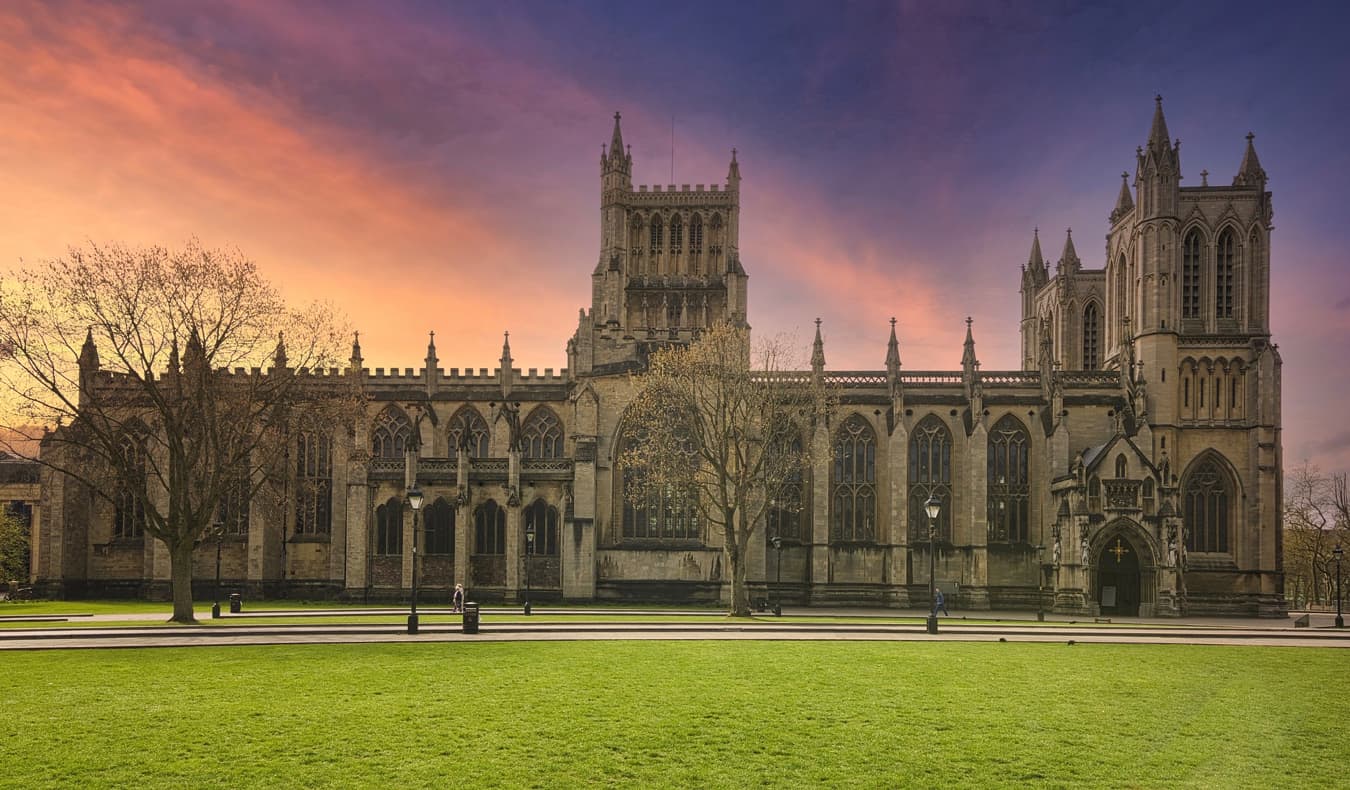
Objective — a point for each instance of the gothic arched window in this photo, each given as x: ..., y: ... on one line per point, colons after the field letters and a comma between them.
x: 1190, y: 275
x: 1223, y: 275
x: 661, y: 512
x: 1120, y: 466
x: 1009, y: 482
x: 438, y: 521
x: 234, y: 503
x: 1091, y: 338
x: 676, y: 234
x: 489, y: 528
x: 469, y: 431
x: 391, y: 434
x: 930, y: 474
x: 1206, y: 502
x: 783, y: 519
x: 656, y: 233
x: 129, y: 499
x: 541, y: 518
x: 696, y: 233
x: 313, y: 483
x: 541, y: 436
x: 389, y: 527
x: 716, y: 245
x: 853, y: 490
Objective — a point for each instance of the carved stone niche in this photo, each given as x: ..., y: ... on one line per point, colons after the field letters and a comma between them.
x: 1121, y: 494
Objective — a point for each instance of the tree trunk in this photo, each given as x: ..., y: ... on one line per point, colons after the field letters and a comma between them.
x: 181, y: 579
x: 740, y: 596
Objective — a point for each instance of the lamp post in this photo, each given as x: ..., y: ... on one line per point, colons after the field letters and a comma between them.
x: 778, y: 578
x: 1040, y: 582
x: 219, y: 529
x: 1338, y: 552
x: 415, y: 502
x: 529, y: 550
x: 932, y: 507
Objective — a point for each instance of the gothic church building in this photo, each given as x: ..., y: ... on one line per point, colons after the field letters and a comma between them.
x: 1132, y: 465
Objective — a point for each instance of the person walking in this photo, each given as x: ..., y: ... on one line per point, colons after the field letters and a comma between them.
x: 458, y: 598
x: 940, y: 602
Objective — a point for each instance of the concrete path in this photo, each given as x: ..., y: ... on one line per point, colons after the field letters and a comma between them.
x: 508, y: 624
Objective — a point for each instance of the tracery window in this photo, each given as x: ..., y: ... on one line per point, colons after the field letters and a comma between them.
x: 389, y: 527
x: 930, y: 474
x: 391, y: 434
x: 469, y: 431
x: 1009, y: 482
x: 661, y: 512
x: 1094, y: 493
x: 784, y: 515
x: 542, y: 519
x: 438, y: 521
x: 1190, y: 275
x: 232, y: 513
x: 1091, y: 338
x: 1205, y: 508
x: 313, y: 483
x: 853, y: 491
x: 657, y: 232
x: 541, y: 436
x: 489, y: 528
x: 1223, y: 275
x: 676, y: 234
x: 1150, y: 497
x: 696, y: 233
x: 716, y: 245
x: 128, y: 502
x: 1120, y: 466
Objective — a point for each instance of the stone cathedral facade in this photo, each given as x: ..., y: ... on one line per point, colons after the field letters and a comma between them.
x: 1132, y: 465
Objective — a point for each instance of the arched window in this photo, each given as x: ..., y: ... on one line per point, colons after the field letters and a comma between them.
x: 662, y: 513
x: 1223, y: 275
x: 389, y: 527
x: 469, y: 431
x: 313, y: 483
x: 234, y: 503
x: 930, y: 474
x: 656, y: 233
x: 696, y: 233
x: 541, y: 518
x: 853, y: 490
x: 676, y: 234
x: 1120, y: 466
x: 1150, y: 498
x: 1094, y: 493
x: 1205, y: 508
x: 635, y: 235
x: 129, y: 499
x: 716, y: 245
x: 1009, y: 482
x: 489, y: 529
x: 784, y: 517
x: 438, y: 520
x: 1091, y: 338
x: 1190, y: 275
x: 541, y: 435
x: 391, y: 434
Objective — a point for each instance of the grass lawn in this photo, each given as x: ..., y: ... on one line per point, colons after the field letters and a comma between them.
x: 676, y: 714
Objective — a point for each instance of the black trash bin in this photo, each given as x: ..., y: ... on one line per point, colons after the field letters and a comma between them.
x: 236, y: 603
x: 470, y: 618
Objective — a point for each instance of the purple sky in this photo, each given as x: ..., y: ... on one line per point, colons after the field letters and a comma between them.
x: 434, y: 165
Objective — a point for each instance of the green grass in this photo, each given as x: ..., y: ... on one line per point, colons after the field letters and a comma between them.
x: 676, y: 714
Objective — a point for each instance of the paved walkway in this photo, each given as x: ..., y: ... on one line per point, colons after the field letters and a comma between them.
x: 508, y: 624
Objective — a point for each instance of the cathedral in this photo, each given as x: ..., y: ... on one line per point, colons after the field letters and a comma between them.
x: 1131, y: 465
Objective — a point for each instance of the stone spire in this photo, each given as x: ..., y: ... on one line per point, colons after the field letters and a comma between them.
x: 89, y: 353
x: 969, y: 364
x: 1124, y: 201
x: 893, y: 355
x: 1158, y: 173
x: 194, y: 355
x: 1036, y: 260
x: 173, y: 357
x: 1157, y: 133
x: 1250, y: 173
x: 733, y: 172
x: 356, y: 359
x: 1068, y: 259
x: 616, y: 166
x: 279, y: 356
x: 431, y: 352
x: 505, y: 375
x: 616, y: 140
x: 818, y: 353
x: 506, y: 350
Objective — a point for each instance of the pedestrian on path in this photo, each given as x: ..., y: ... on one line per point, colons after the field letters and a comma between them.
x: 940, y: 603
x: 458, y: 598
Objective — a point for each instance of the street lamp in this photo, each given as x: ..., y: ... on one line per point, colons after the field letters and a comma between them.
x: 932, y: 507
x: 219, y: 529
x: 415, y: 502
x: 778, y: 580
x: 1338, y: 552
x: 529, y: 550
x: 1040, y: 582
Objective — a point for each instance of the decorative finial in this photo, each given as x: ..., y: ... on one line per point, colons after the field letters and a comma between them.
x: 892, y: 322
x: 733, y: 154
x: 969, y: 321
x: 1204, y: 178
x: 616, y: 115
x: 817, y: 323
x: 1250, y: 137
x: 1158, y: 98
x: 1070, y: 231
x: 1124, y: 175
x: 1036, y: 231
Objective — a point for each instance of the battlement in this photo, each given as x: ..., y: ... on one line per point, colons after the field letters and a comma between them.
x: 466, y: 376
x: 713, y: 194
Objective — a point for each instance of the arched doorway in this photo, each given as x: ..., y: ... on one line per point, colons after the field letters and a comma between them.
x: 1118, y: 578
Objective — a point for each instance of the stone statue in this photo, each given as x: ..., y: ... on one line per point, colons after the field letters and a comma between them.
x: 1171, y: 546
x: 1086, y: 550
x: 1056, y: 552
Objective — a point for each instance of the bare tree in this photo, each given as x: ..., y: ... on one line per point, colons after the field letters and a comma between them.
x: 1316, y: 520
x: 129, y: 351
x: 712, y: 434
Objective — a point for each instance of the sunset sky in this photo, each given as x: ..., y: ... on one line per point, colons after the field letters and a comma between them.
x: 434, y: 165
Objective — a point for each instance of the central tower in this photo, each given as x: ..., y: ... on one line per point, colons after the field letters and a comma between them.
x: 668, y: 268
